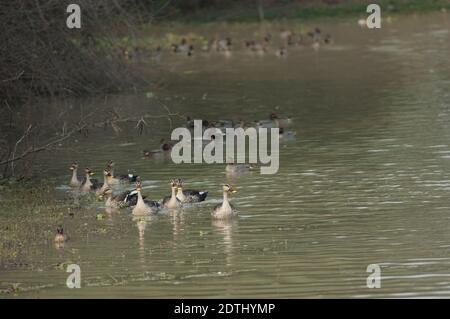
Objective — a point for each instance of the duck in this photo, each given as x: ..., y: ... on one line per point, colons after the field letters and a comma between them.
x: 285, y: 34
x: 143, y: 206
x: 89, y: 184
x: 60, y: 237
x: 121, y: 200
x: 280, y: 122
x: 223, y: 45
x: 172, y: 201
x: 100, y: 192
x: 183, y: 47
x: 189, y: 195
x: 113, y: 179
x: 232, y: 168
x: 255, y: 47
x: 165, y: 146
x: 281, y: 52
x: 74, y: 182
x: 225, y: 210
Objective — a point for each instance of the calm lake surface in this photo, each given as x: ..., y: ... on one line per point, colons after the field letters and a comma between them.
x: 365, y: 181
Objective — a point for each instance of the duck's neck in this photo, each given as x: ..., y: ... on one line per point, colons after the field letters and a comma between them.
x: 225, y: 197
x: 74, y: 179
x: 109, y: 179
x: 174, y: 193
x: 88, y: 180
x: 180, y: 194
x: 140, y: 200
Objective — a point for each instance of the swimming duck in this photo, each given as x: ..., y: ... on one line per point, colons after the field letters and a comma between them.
x: 257, y: 48
x: 74, y: 182
x: 165, y: 146
x: 315, y: 35
x: 189, y: 195
x: 225, y: 210
x: 280, y: 122
x: 114, y: 179
x: 232, y: 168
x: 285, y: 34
x: 59, y: 237
x: 121, y: 200
x: 143, y: 206
x: 89, y: 184
x: 172, y: 201
x: 99, y: 192
x: 281, y: 52
x: 223, y: 45
x: 183, y: 47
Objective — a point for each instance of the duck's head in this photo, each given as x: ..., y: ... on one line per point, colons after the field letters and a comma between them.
x: 174, y: 183
x: 60, y: 230
x: 88, y: 172
x: 229, y: 189
x: 107, y: 172
x: 179, y: 183
x: 74, y: 166
x: 138, y: 186
x: 110, y: 164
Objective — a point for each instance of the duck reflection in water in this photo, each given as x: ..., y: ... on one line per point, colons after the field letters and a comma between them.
x: 226, y: 227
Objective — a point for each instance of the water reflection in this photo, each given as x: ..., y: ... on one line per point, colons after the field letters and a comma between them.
x: 226, y: 228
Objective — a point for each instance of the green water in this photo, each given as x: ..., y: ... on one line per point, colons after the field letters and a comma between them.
x: 365, y: 181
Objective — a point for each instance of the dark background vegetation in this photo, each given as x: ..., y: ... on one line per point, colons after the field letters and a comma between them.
x: 41, y: 57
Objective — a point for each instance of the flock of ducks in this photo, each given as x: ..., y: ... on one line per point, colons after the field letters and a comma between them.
x: 140, y: 204
x: 269, y: 44
x: 273, y: 121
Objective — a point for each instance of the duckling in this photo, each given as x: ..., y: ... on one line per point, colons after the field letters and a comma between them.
x: 59, y: 237
x: 189, y: 195
x: 225, y: 210
x: 89, y: 184
x: 121, y: 200
x: 74, y: 182
x: 143, y: 206
x: 172, y: 201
